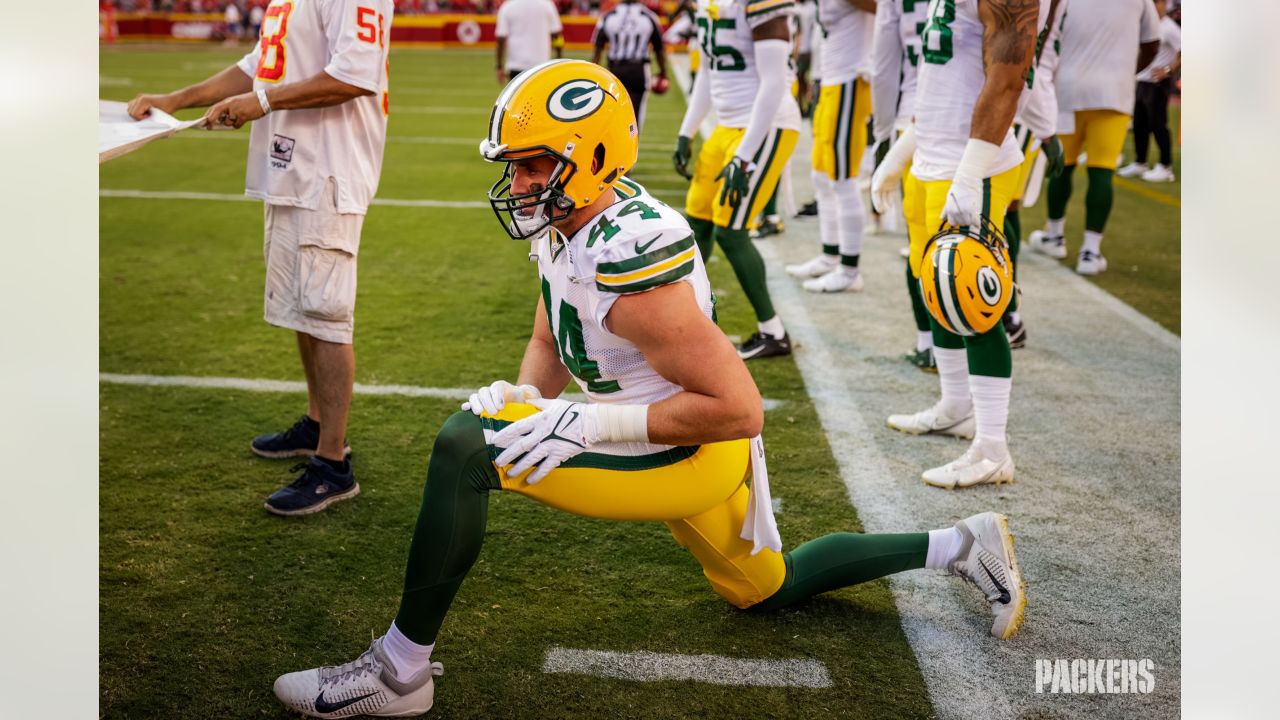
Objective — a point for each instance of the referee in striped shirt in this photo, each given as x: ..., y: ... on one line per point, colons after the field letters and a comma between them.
x: 629, y: 30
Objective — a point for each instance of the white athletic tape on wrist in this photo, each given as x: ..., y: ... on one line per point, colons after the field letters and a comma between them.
x: 262, y: 100
x: 623, y: 423
x: 978, y: 157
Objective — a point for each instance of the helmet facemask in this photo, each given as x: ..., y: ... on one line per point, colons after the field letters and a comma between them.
x: 528, y: 215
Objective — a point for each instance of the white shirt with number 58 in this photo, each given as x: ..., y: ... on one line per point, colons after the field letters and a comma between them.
x: 293, y: 152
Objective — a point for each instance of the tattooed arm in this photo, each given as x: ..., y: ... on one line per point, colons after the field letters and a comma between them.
x: 1008, y: 47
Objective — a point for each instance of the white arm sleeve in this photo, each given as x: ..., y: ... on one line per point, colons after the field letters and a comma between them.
x: 886, y: 70
x: 774, y: 71
x: 699, y: 100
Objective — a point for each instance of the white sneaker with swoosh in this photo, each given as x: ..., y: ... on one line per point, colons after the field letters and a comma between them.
x: 364, y: 686
x: 987, y: 560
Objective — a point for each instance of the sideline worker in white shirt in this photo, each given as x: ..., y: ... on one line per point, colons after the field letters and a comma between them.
x: 319, y: 95
x: 527, y: 31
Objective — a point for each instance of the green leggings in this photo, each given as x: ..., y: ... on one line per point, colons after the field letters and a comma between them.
x: 451, y: 526
x: 743, y: 256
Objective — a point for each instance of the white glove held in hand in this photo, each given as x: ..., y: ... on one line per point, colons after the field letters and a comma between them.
x: 562, y: 430
x: 964, y: 199
x: 888, y: 176
x: 494, y: 397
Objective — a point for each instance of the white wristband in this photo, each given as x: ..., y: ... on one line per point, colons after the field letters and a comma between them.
x: 979, y: 156
x: 262, y: 100
x: 623, y: 423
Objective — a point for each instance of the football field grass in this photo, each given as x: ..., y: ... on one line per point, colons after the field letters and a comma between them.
x: 205, y: 598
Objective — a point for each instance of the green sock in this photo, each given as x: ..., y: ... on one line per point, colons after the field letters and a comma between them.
x: 703, y: 235
x: 843, y: 559
x: 1013, y: 233
x: 1098, y: 198
x: 771, y: 207
x: 943, y: 339
x: 1059, y: 193
x: 450, y: 529
x: 749, y: 267
x: 989, y: 353
x: 918, y: 308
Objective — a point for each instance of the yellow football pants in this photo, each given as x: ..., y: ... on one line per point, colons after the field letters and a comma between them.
x: 700, y: 493
x: 703, y: 200
x: 840, y: 128
x: 1030, y: 146
x: 923, y: 200
x: 1100, y: 133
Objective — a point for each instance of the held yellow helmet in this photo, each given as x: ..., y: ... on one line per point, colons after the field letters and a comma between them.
x: 574, y: 111
x: 966, y: 278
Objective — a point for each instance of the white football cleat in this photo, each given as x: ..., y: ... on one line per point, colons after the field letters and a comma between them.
x: 987, y: 560
x: 982, y: 464
x: 364, y: 686
x: 813, y: 267
x: 1134, y: 169
x: 1055, y: 246
x: 1159, y: 173
x: 838, y: 280
x: 936, y: 421
x: 1090, y: 263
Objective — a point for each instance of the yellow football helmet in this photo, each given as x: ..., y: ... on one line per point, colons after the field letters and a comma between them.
x: 966, y: 278
x: 571, y: 110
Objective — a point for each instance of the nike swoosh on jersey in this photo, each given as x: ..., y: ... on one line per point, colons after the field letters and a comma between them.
x: 640, y: 249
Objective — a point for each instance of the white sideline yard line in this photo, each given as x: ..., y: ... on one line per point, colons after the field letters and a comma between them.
x: 227, y: 197
x: 712, y: 669
x: 297, y: 386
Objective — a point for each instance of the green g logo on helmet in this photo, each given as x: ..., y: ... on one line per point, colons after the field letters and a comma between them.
x: 575, y: 100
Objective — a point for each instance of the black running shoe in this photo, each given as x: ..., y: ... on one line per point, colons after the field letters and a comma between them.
x: 769, y: 227
x: 318, y: 487
x: 923, y: 359
x: 809, y: 210
x: 761, y: 345
x: 1016, y: 330
x: 300, y: 440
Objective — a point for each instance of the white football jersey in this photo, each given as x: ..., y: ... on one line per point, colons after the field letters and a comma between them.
x: 950, y: 80
x: 1038, y: 106
x: 293, y: 152
x: 1100, y: 53
x: 895, y: 63
x: 846, y: 47
x: 729, y: 58
x: 637, y: 244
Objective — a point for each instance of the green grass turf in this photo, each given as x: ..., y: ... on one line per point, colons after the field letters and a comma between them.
x: 1143, y: 239
x: 205, y: 598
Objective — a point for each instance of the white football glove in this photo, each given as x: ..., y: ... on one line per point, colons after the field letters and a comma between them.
x: 887, y: 177
x: 560, y: 431
x: 964, y: 201
x: 492, y: 398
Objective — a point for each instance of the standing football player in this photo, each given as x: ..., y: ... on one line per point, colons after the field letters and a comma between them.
x: 1104, y: 42
x: 896, y: 57
x: 745, y: 75
x: 839, y: 140
x: 316, y: 83
x: 965, y: 164
x: 668, y: 432
x: 1035, y: 128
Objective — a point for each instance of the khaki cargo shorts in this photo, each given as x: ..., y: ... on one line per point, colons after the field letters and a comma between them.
x: 311, y: 268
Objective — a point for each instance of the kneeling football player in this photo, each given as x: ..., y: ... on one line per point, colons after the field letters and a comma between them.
x: 672, y: 417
